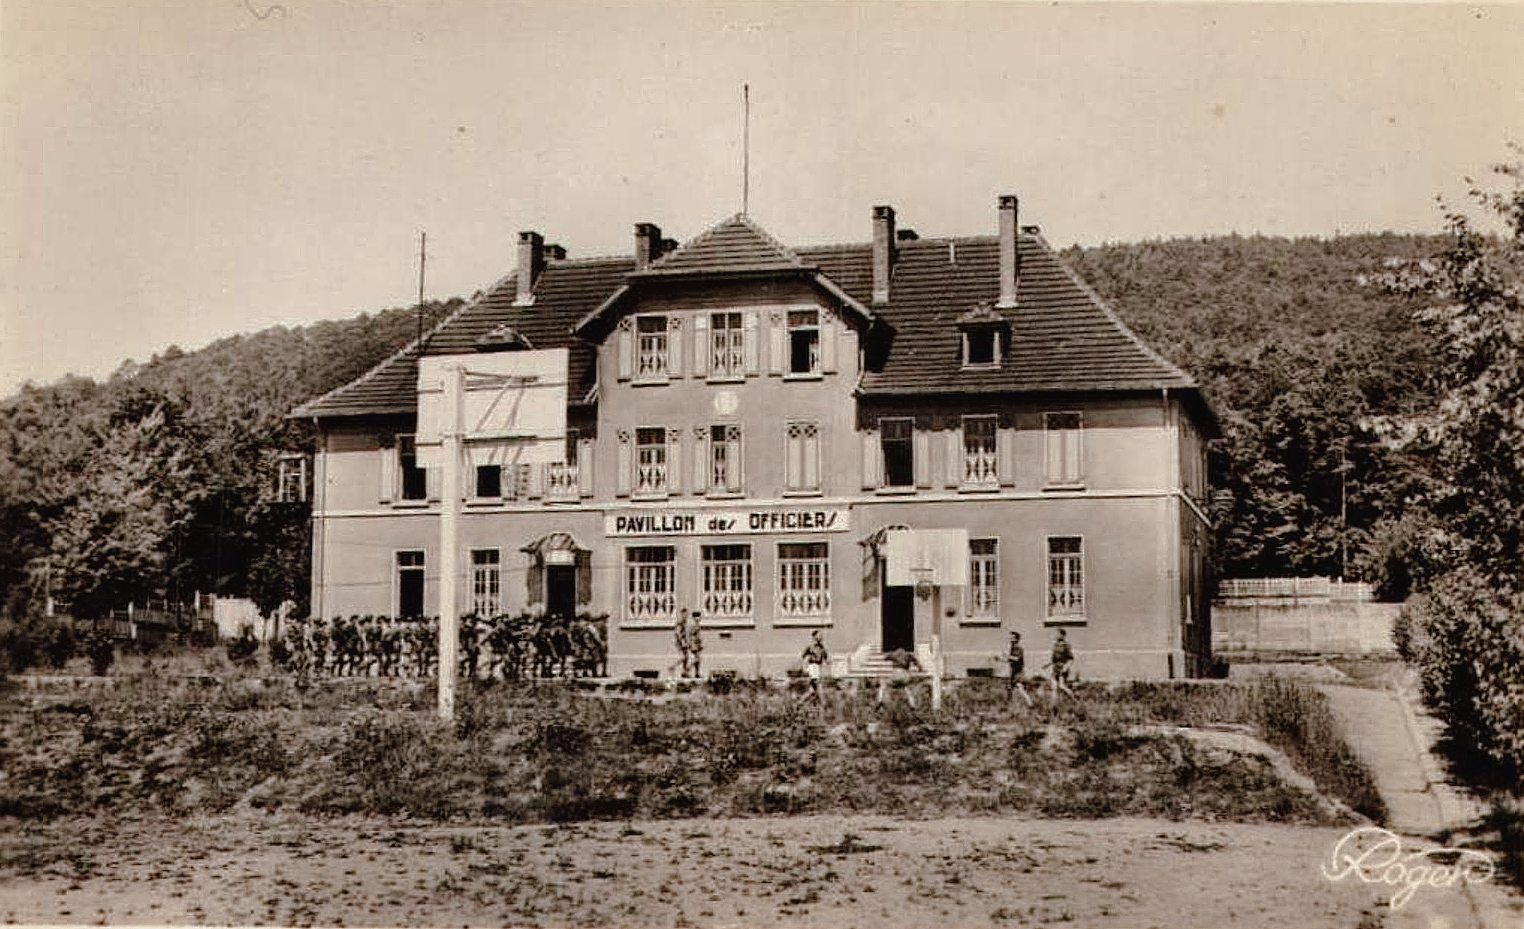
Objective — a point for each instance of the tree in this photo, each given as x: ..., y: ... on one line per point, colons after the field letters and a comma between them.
x: 1467, y: 630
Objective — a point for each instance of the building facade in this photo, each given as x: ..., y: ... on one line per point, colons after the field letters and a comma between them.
x: 918, y: 444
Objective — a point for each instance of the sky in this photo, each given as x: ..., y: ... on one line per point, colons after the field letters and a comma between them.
x: 177, y: 171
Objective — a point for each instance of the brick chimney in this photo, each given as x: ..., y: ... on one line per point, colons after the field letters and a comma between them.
x: 1010, y: 260
x: 531, y: 263
x: 648, y: 245
x: 883, y: 251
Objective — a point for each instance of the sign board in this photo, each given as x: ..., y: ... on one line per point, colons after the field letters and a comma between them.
x: 512, y: 406
x: 939, y: 556
x: 677, y: 521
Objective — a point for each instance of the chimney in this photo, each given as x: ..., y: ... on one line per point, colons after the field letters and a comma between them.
x: 1010, y: 260
x: 648, y: 245
x: 531, y: 263
x: 883, y: 251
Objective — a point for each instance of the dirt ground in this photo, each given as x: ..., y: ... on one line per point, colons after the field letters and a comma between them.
x: 253, y: 868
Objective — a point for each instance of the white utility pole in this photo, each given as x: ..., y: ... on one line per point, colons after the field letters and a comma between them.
x: 449, y: 518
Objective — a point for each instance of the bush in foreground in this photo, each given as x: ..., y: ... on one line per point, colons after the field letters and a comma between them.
x: 525, y: 753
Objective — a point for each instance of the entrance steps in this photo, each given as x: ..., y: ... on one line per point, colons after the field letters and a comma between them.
x: 869, y: 662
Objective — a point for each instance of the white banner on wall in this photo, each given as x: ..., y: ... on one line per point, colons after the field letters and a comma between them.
x: 677, y: 521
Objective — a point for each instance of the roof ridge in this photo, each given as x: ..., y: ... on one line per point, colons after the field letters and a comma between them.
x: 405, y: 349
x: 1111, y: 314
x: 703, y: 238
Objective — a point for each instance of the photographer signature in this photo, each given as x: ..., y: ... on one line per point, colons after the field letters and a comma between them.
x: 1378, y: 856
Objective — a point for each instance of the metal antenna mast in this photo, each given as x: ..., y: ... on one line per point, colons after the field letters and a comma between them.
x: 423, y: 243
x: 746, y: 148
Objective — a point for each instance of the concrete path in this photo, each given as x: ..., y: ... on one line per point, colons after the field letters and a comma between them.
x: 1395, y: 738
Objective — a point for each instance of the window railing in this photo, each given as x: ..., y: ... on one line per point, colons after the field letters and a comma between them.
x: 728, y: 359
x: 651, y: 355
x: 984, y: 601
x: 561, y: 480
x: 980, y: 468
x: 651, y: 477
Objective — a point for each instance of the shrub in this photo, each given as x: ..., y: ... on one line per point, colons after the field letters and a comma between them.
x: 1295, y: 718
x: 243, y: 649
x: 101, y: 646
x: 1468, y: 645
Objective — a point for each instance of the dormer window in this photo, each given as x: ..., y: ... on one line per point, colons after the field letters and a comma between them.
x: 984, y: 336
x: 981, y: 347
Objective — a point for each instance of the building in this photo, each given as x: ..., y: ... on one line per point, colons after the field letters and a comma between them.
x: 909, y: 443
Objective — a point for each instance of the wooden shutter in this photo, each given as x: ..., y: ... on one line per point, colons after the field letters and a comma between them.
x: 750, y: 342
x: 1053, y: 449
x: 584, y: 578
x: 812, y: 459
x: 585, y: 467
x: 701, y: 345
x: 675, y: 346
x: 921, y: 450
x: 534, y: 580
x: 776, y: 332
x: 674, y: 460
x: 386, y: 460
x: 736, y: 472
x: 536, y: 479
x: 624, y: 342
x: 623, y: 466
x: 871, y: 456
x: 827, y: 343
x: 952, y: 455
x: 701, y: 459
x: 433, y: 477
x: 1005, y: 449
x: 1072, y: 472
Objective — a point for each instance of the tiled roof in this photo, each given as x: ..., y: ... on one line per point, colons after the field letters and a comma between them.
x: 1063, y: 336
x: 735, y: 245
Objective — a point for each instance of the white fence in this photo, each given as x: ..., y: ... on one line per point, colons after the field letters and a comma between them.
x: 1294, y: 588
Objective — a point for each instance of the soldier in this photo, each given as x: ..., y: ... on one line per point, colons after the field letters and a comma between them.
x: 680, y: 635
x: 1016, y: 659
x: 1060, y: 663
x: 815, y: 658
x: 696, y: 644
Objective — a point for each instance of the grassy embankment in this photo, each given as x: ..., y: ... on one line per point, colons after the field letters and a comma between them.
x: 156, y: 743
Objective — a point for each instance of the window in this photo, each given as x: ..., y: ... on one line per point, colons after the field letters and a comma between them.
x: 727, y: 339
x: 651, y: 460
x: 650, y: 583
x: 651, y: 347
x: 1063, y: 448
x: 804, y: 580
x: 1066, y: 578
x: 486, y: 582
x: 979, y: 458
x: 984, y: 579
x: 726, y: 591
x: 725, y: 458
x: 801, y: 462
x: 561, y: 479
x: 409, y: 584
x: 414, y: 480
x: 981, y: 347
x: 292, y: 487
x: 489, y: 480
x: 803, y: 342
x: 894, y: 436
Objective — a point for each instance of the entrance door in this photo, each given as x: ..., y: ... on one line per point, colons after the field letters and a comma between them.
x: 560, y: 590
x: 897, y: 615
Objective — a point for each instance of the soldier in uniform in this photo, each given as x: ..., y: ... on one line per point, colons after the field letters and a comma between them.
x: 680, y: 635
x: 1060, y: 663
x: 815, y: 658
x: 1016, y: 659
x: 696, y: 643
